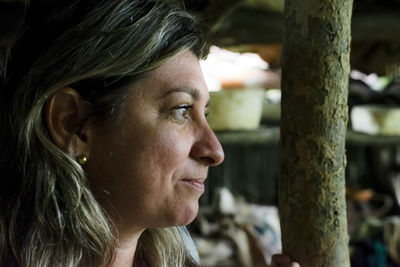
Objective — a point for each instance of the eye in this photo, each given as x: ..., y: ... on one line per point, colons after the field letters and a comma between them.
x: 207, y: 112
x: 181, y: 112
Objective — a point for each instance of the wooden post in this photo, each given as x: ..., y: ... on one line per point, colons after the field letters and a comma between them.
x: 315, y: 69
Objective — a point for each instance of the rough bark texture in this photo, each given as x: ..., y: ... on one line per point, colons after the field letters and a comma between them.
x: 314, y: 118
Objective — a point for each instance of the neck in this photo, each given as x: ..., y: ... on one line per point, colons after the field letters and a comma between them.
x: 128, y: 237
x: 125, y: 252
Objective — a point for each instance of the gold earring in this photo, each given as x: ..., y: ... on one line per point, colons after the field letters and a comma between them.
x: 82, y: 159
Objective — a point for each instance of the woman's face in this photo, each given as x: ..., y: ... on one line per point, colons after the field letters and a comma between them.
x: 149, y: 170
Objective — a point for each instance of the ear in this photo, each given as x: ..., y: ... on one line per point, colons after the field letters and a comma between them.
x: 65, y: 114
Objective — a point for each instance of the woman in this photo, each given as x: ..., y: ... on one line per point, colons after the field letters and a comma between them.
x: 106, y: 145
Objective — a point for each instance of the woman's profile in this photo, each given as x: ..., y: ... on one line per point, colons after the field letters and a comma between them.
x: 104, y: 141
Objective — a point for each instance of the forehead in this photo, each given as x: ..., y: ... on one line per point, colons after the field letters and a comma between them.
x: 180, y: 73
x: 182, y: 70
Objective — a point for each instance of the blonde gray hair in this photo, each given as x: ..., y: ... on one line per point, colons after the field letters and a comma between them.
x: 48, y: 214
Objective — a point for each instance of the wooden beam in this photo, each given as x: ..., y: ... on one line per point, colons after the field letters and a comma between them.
x: 248, y: 26
x: 315, y: 70
x: 376, y: 27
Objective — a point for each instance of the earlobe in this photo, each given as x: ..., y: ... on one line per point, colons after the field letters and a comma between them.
x: 65, y: 113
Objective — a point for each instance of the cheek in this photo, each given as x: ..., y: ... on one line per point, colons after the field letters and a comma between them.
x: 172, y: 150
x: 152, y: 158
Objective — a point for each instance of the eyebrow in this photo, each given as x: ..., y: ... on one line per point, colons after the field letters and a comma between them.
x: 189, y: 90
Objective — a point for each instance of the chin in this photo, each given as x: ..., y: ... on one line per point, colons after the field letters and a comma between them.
x: 185, y: 215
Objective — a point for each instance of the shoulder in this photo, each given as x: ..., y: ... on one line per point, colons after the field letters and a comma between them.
x: 189, y: 244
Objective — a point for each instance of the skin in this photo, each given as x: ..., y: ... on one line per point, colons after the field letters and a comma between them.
x: 283, y: 261
x: 149, y: 170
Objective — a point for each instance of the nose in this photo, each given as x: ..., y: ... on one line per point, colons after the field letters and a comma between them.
x: 207, y: 149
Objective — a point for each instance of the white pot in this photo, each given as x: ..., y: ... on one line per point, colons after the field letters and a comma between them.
x: 236, y: 109
x: 376, y: 119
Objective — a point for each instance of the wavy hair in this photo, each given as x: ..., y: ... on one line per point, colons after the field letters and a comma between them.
x: 48, y: 214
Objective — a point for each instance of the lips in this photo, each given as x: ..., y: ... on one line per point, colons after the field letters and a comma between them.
x: 197, y: 184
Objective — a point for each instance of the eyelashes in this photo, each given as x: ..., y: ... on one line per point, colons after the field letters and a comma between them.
x: 184, y: 112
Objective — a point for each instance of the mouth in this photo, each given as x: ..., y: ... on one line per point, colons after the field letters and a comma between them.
x: 197, y: 184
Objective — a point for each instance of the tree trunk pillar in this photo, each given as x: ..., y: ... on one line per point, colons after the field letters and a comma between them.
x: 315, y: 69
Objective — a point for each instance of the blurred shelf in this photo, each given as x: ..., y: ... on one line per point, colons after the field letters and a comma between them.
x: 366, y: 139
x: 262, y: 135
x: 270, y: 135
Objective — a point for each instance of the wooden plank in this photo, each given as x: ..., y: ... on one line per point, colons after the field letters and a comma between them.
x: 270, y: 135
x: 248, y: 26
